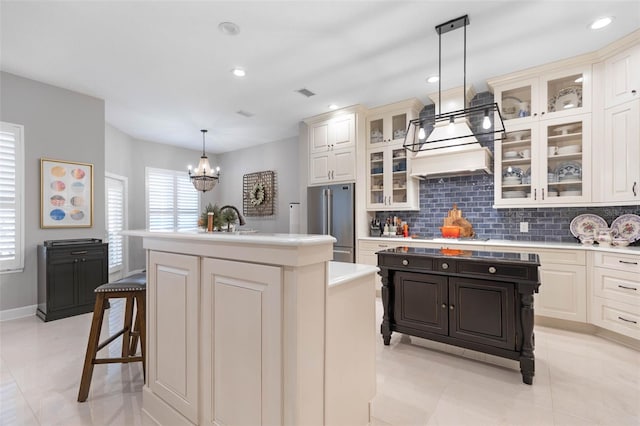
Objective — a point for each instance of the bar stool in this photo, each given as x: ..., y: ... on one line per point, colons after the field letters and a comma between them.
x: 133, y: 289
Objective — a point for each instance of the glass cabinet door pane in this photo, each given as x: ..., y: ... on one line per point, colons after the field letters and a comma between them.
x: 564, y: 93
x: 376, y: 169
x: 565, y: 159
x: 516, y: 103
x: 517, y: 171
x: 399, y: 126
x: 399, y: 160
x: 376, y: 131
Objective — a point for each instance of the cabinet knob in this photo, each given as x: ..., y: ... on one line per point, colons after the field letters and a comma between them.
x: 542, y: 113
x: 84, y: 260
x: 405, y: 262
x: 451, y: 307
x: 535, y: 114
x: 444, y: 306
x: 445, y: 266
x: 75, y: 260
x: 492, y: 270
x: 633, y: 92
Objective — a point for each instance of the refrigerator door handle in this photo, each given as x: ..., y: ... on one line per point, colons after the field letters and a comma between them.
x: 342, y: 251
x: 329, y: 211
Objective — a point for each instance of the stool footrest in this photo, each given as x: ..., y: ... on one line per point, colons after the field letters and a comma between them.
x: 111, y: 338
x: 117, y: 360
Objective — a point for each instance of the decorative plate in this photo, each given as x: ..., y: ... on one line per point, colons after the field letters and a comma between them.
x: 627, y: 226
x: 512, y: 171
x: 510, y: 105
x: 571, y: 170
x: 569, y: 97
x: 584, y: 225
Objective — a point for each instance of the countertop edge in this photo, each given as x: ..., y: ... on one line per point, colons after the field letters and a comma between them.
x: 343, y: 273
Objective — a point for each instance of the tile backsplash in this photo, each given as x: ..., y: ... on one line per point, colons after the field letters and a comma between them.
x: 474, y: 196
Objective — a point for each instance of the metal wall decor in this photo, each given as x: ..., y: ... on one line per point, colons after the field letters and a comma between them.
x: 258, y: 192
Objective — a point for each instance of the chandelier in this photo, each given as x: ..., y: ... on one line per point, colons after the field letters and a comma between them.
x: 203, y: 177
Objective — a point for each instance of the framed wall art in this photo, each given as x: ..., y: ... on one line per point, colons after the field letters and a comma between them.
x: 66, y: 194
x: 258, y: 193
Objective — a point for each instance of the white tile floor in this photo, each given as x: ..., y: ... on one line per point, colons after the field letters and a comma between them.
x: 580, y: 380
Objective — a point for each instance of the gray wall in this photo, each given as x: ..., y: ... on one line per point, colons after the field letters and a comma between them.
x: 62, y: 125
x: 280, y: 157
x: 126, y: 156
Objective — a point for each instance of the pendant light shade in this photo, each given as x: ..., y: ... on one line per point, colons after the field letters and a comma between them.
x: 203, y: 177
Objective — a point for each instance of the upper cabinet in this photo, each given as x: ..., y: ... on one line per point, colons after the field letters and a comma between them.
x: 388, y: 164
x: 332, y: 149
x: 622, y: 77
x: 550, y: 95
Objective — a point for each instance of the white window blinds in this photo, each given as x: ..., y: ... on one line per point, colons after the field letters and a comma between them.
x: 116, y: 220
x: 11, y: 197
x: 172, y: 201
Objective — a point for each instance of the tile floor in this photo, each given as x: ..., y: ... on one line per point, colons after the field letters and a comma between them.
x: 580, y: 380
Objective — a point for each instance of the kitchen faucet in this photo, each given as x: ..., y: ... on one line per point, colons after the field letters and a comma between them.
x: 240, y: 217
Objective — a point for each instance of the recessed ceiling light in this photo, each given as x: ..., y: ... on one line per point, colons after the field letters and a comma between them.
x: 228, y: 28
x: 601, y: 22
x: 433, y: 79
x: 239, y: 72
x: 333, y: 106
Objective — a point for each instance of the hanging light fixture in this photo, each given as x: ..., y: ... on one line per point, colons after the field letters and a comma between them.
x: 451, y: 129
x: 203, y: 177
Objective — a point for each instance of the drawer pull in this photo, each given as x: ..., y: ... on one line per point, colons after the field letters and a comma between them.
x: 79, y: 252
x: 405, y: 262
x: 445, y: 266
x: 627, y: 288
x: 382, y: 245
x: 451, y: 307
x: 492, y: 270
x: 444, y: 306
x: 627, y: 263
x: 626, y: 320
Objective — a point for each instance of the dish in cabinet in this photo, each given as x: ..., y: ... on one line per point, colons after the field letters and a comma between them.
x: 568, y: 171
x: 510, y: 105
x: 627, y: 226
x: 512, y: 172
x: 584, y: 225
x: 567, y: 98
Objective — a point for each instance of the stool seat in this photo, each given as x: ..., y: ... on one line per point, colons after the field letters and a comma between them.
x: 133, y: 289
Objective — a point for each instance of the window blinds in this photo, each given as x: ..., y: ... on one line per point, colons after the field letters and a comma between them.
x: 172, y: 201
x: 11, y: 193
x: 115, y: 222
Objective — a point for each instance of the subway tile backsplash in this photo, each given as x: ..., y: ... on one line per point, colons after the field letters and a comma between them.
x: 474, y: 196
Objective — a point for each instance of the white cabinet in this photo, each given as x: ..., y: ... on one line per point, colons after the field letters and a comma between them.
x: 332, y: 150
x: 563, y: 292
x: 620, y: 159
x: 544, y: 162
x: 172, y: 335
x: 622, y: 77
x: 615, y: 300
x: 388, y: 124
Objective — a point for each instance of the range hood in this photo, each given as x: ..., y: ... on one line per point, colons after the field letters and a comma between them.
x: 453, y: 150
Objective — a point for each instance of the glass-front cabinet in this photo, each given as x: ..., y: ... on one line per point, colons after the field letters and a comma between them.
x: 547, y: 162
x: 389, y: 184
x: 387, y: 128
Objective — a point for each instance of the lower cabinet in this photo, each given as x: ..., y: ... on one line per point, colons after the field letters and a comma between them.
x: 563, y: 293
x: 464, y: 308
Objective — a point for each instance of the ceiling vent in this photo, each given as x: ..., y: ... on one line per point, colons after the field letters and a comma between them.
x: 306, y: 92
x: 245, y: 113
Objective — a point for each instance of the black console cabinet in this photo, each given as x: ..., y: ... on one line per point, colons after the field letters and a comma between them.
x: 477, y: 300
x: 68, y: 273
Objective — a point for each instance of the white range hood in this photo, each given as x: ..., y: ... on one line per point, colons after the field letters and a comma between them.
x: 462, y: 155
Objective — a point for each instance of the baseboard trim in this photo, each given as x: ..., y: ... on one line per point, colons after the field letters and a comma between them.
x: 11, y: 314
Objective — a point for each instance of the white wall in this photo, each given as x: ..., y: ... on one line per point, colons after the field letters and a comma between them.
x: 279, y: 156
x: 62, y: 125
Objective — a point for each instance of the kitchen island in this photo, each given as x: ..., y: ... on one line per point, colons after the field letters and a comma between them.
x: 249, y: 329
x: 477, y: 300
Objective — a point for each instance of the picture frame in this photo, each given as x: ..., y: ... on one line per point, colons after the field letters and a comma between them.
x: 258, y: 193
x: 66, y: 194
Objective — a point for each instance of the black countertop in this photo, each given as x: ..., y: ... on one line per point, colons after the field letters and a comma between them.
x: 444, y: 253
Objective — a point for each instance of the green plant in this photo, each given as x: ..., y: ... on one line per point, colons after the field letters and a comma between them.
x: 217, y: 217
x: 229, y: 216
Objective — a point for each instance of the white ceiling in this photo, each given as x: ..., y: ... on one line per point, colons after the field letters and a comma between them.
x: 163, y: 68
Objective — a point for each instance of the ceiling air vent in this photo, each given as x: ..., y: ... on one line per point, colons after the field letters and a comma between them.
x: 245, y: 113
x: 306, y: 92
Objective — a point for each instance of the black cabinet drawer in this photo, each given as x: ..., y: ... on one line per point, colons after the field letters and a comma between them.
x: 407, y: 262
x: 497, y: 270
x: 76, y: 252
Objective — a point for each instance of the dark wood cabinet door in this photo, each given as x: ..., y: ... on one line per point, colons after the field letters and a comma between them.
x: 91, y: 272
x: 62, y: 285
x: 421, y: 302
x: 482, y: 312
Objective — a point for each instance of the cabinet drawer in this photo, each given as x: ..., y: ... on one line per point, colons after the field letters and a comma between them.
x: 563, y: 257
x: 372, y: 247
x: 621, y: 262
x: 496, y: 270
x: 616, y: 316
x: 408, y: 262
x: 617, y: 285
x: 76, y: 252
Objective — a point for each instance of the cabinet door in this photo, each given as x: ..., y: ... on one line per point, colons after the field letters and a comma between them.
x: 421, y: 302
x: 622, y: 77
x: 516, y: 168
x: 482, y: 312
x: 91, y: 272
x: 320, y: 168
x: 376, y: 198
x: 172, y: 335
x: 342, y: 132
x: 319, y: 137
x: 241, y: 343
x: 62, y: 285
x: 563, y: 292
x: 566, y: 92
x: 399, y: 182
x: 344, y: 166
x: 620, y: 177
x: 518, y: 101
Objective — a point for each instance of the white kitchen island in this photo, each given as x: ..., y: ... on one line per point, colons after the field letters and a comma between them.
x: 251, y: 330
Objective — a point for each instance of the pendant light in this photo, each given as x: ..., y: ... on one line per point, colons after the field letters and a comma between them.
x: 203, y: 177
x: 423, y: 136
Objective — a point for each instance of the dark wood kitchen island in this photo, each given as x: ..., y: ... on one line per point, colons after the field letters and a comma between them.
x: 477, y: 300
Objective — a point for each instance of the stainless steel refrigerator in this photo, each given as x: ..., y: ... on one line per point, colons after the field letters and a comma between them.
x: 331, y: 211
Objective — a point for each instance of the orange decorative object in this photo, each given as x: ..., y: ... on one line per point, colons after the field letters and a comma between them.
x: 450, y: 231
x: 455, y: 252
